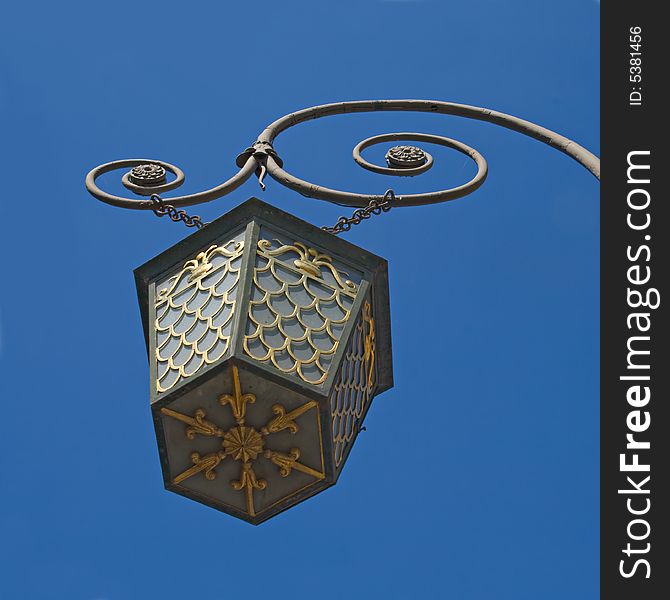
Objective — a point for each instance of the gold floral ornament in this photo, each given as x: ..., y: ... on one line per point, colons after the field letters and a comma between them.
x: 194, y: 313
x: 300, y: 303
x: 287, y: 462
x: 369, y: 343
x: 309, y: 260
x: 243, y: 443
x: 238, y: 401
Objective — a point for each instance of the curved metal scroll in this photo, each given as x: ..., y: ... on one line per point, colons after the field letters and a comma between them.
x: 262, y: 157
x: 212, y: 194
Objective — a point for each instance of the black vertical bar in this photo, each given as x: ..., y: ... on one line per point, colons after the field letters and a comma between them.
x: 635, y: 358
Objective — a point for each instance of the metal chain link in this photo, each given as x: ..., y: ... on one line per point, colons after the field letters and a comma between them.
x: 376, y: 207
x: 161, y: 209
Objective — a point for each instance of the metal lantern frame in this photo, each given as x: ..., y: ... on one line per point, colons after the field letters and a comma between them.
x: 249, y: 223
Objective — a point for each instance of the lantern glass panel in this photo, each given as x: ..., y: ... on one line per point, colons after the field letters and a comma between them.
x: 301, y: 299
x: 194, y: 307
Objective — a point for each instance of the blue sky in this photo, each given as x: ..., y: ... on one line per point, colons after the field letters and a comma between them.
x: 477, y: 477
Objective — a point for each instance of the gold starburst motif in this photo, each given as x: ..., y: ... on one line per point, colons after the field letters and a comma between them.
x: 243, y: 443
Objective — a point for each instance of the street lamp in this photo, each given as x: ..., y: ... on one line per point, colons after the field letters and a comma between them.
x: 269, y: 337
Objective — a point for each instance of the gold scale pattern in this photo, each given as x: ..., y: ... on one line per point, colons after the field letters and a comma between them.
x: 194, y: 313
x: 355, y: 384
x: 300, y: 303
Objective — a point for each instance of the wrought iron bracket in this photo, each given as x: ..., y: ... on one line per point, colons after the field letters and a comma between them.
x: 148, y: 176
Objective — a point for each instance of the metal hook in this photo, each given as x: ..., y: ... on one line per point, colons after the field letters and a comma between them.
x: 260, y: 173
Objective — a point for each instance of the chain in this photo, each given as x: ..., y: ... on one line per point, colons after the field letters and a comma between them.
x: 161, y: 209
x: 376, y: 207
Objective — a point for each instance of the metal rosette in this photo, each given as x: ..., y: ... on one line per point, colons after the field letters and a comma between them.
x: 402, y: 161
x: 150, y: 178
x: 406, y: 157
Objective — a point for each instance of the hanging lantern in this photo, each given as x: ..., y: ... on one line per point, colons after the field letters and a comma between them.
x: 267, y: 340
x: 269, y: 337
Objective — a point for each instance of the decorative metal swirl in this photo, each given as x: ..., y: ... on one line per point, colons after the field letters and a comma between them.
x: 208, y: 195
x: 145, y: 178
x: 350, y: 198
x: 467, y: 188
